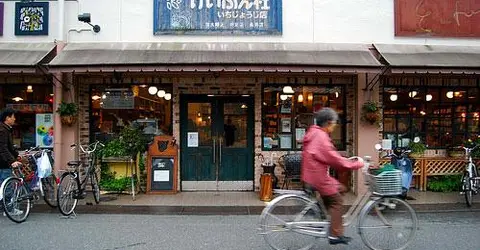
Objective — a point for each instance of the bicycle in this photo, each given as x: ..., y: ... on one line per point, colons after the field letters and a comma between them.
x: 298, y: 219
x: 20, y: 190
x: 71, y: 187
x: 470, y: 179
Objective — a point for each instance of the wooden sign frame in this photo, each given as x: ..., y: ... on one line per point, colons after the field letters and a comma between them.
x: 163, y: 147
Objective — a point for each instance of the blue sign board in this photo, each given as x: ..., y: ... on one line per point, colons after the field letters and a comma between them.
x: 214, y: 17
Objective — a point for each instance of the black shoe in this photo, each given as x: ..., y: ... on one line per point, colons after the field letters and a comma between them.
x: 339, y: 240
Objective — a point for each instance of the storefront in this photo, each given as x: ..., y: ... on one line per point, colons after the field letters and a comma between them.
x: 227, y: 101
x: 26, y: 87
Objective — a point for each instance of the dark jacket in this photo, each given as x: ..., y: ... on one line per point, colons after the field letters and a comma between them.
x: 8, y: 154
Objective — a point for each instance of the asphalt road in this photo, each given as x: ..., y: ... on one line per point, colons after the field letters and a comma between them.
x: 119, y: 231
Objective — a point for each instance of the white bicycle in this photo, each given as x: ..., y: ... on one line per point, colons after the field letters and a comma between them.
x: 295, y: 219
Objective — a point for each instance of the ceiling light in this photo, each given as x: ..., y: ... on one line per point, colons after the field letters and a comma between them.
x: 288, y: 90
x: 29, y: 89
x: 17, y: 99
x: 152, y: 90
x: 412, y: 94
x: 161, y: 93
x: 428, y: 97
x: 300, y: 98
x: 283, y: 97
x: 423, y: 112
x: 96, y: 97
x: 449, y: 94
x: 393, y: 97
x: 168, y: 96
x: 337, y: 94
x: 310, y: 97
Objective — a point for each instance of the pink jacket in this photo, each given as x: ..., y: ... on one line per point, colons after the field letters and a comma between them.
x: 317, y: 156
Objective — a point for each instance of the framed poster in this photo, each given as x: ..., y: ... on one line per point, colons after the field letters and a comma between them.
x: 286, y: 141
x: 31, y: 18
x: 44, y: 130
x: 286, y: 125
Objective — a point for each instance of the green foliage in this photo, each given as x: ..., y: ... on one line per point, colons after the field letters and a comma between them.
x: 67, y: 108
x: 371, y: 113
x: 370, y: 106
x: 130, y: 141
x: 108, y: 181
x: 417, y: 147
x: 446, y: 183
x: 114, y: 148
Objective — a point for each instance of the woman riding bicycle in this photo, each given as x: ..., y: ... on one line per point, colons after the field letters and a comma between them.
x: 318, y: 155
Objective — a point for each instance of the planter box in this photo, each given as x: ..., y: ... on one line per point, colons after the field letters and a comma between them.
x: 121, y: 166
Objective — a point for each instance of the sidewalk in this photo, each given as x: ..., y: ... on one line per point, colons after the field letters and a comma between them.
x: 239, y: 203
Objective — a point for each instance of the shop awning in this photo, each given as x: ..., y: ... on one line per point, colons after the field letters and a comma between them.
x: 199, y: 57
x: 24, y: 57
x: 433, y: 59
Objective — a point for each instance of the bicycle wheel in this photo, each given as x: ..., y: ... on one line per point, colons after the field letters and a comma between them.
x: 49, y: 195
x: 95, y: 187
x: 467, y: 189
x: 289, y: 208
x: 387, y: 223
x: 66, y: 192
x: 16, y: 200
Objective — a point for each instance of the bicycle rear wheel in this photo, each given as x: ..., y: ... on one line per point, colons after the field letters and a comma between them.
x: 49, y: 195
x: 387, y: 223
x: 66, y: 192
x: 467, y: 189
x: 95, y: 187
x: 16, y: 200
x: 289, y: 208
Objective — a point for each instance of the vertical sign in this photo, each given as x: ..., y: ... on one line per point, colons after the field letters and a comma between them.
x: 1, y: 18
x: 44, y: 130
x: 214, y: 17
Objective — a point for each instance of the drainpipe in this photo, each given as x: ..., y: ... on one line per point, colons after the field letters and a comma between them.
x: 61, y: 21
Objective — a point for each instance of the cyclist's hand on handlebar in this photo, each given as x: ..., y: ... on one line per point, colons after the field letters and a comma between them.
x: 16, y: 164
x: 357, y: 158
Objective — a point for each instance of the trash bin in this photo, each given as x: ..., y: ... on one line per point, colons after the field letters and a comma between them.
x: 266, y: 191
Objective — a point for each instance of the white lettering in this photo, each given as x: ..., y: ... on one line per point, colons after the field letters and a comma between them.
x: 265, y: 6
x: 231, y: 4
x: 246, y: 4
x: 228, y: 4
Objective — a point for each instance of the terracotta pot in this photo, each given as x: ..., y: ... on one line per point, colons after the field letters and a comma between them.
x: 372, y: 117
x: 68, y: 120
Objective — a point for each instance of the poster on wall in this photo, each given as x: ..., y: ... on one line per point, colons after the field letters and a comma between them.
x: 31, y: 18
x: 214, y: 17
x: 459, y: 18
x: 44, y: 130
x: 2, y: 7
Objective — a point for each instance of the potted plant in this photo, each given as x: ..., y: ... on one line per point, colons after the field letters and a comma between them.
x: 417, y: 148
x: 68, y: 112
x: 370, y: 113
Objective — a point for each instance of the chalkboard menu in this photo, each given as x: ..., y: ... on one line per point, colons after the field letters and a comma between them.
x: 162, y: 165
x: 118, y: 98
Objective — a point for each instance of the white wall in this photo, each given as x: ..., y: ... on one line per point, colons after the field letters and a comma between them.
x: 323, y: 21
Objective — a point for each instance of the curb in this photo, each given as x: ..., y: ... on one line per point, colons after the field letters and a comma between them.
x: 224, y: 210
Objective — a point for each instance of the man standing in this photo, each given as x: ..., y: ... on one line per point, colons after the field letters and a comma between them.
x: 8, y: 154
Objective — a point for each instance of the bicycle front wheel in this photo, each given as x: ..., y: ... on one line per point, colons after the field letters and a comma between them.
x: 284, y: 209
x: 467, y: 189
x: 95, y: 187
x: 49, y: 195
x: 16, y: 200
x: 67, y: 192
x: 387, y: 223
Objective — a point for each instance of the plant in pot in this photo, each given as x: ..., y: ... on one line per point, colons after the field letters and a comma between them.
x: 371, y: 113
x: 68, y: 112
x: 417, y: 148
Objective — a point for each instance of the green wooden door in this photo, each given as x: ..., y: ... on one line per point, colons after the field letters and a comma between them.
x: 216, y: 142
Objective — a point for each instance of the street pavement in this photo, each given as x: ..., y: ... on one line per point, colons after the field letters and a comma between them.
x: 447, y: 230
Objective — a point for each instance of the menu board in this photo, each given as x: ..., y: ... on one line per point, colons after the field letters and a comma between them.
x: 118, y: 98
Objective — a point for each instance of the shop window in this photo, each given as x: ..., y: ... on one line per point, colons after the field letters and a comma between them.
x: 34, y: 117
x: 440, y: 116
x: 288, y: 112
x: 146, y: 107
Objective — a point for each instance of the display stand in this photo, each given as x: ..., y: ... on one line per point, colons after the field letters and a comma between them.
x: 162, y: 165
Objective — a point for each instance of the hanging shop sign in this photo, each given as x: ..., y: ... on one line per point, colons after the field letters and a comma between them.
x: 2, y: 8
x: 44, y: 130
x: 31, y: 18
x: 459, y: 18
x: 213, y: 17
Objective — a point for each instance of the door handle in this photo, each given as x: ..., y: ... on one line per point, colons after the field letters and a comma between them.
x: 214, y: 138
x: 220, y: 140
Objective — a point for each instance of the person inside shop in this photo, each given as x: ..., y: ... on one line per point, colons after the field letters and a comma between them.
x: 8, y: 153
x: 229, y: 133
x: 318, y: 155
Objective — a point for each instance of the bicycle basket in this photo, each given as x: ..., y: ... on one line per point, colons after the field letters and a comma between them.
x: 386, y: 183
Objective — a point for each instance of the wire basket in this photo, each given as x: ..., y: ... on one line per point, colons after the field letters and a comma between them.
x: 386, y: 183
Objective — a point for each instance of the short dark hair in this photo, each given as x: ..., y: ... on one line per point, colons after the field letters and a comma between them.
x: 7, y: 112
x: 324, y: 116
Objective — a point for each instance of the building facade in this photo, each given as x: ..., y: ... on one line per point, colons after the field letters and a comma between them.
x: 233, y: 80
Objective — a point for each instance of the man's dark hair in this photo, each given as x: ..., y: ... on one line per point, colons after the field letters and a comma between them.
x: 7, y: 112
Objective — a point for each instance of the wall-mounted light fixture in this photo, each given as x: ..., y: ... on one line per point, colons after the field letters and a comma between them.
x: 86, y: 18
x: 29, y: 89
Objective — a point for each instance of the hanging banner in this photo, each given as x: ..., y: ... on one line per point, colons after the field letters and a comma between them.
x: 31, y: 18
x: 214, y: 17
x: 44, y: 130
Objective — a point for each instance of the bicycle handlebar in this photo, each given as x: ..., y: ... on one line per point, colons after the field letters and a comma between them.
x: 88, y: 149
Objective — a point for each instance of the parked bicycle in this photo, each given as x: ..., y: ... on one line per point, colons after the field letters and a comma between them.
x: 72, y: 187
x: 24, y: 187
x: 470, y: 178
x: 295, y: 219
